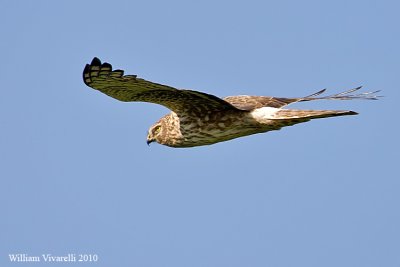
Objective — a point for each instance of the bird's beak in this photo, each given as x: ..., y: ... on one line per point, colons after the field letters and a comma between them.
x: 149, y: 141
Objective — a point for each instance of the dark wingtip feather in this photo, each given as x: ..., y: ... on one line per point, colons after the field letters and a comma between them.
x: 87, y: 68
x: 106, y: 65
x: 316, y: 94
x: 86, y: 74
x: 346, y: 95
x: 87, y: 71
x: 95, y: 62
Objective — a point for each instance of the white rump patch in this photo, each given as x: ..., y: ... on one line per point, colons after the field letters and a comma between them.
x: 264, y: 113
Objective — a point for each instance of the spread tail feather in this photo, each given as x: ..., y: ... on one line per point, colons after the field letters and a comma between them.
x: 305, y: 115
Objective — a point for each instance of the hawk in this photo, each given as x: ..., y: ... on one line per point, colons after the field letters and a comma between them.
x: 199, y: 118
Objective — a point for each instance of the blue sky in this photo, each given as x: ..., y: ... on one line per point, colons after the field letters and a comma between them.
x: 78, y: 177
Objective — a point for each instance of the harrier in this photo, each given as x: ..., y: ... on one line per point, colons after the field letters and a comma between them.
x: 198, y: 118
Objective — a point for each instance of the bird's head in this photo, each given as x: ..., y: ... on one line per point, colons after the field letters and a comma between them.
x: 154, y: 133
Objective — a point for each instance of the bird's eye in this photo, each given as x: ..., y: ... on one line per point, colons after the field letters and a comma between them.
x: 156, y: 129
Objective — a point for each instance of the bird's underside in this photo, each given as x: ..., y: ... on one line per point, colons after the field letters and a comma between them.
x: 202, y: 119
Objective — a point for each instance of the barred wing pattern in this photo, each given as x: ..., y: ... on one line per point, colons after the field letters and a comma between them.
x: 246, y: 102
x: 129, y: 88
x: 203, y: 119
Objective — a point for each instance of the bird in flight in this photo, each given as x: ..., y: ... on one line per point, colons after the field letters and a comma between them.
x: 199, y: 118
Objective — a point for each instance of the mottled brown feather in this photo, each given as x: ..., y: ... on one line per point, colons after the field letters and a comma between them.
x: 201, y: 119
x: 245, y: 102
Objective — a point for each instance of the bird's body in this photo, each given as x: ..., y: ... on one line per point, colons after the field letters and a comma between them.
x: 196, y: 131
x: 201, y: 119
x: 181, y: 131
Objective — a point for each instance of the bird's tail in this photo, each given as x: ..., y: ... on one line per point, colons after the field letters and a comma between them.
x: 306, y: 115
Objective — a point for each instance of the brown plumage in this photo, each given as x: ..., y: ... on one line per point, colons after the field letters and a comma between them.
x: 202, y: 119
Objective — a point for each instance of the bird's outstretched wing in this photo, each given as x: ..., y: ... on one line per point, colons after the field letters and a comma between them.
x: 130, y: 88
x: 252, y: 102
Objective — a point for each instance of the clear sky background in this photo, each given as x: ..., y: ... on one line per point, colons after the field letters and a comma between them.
x: 78, y: 177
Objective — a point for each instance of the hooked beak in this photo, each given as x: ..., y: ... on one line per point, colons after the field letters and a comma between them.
x: 149, y: 141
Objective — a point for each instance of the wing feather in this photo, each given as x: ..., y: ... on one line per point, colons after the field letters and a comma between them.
x: 253, y: 102
x: 114, y: 83
x: 129, y: 88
